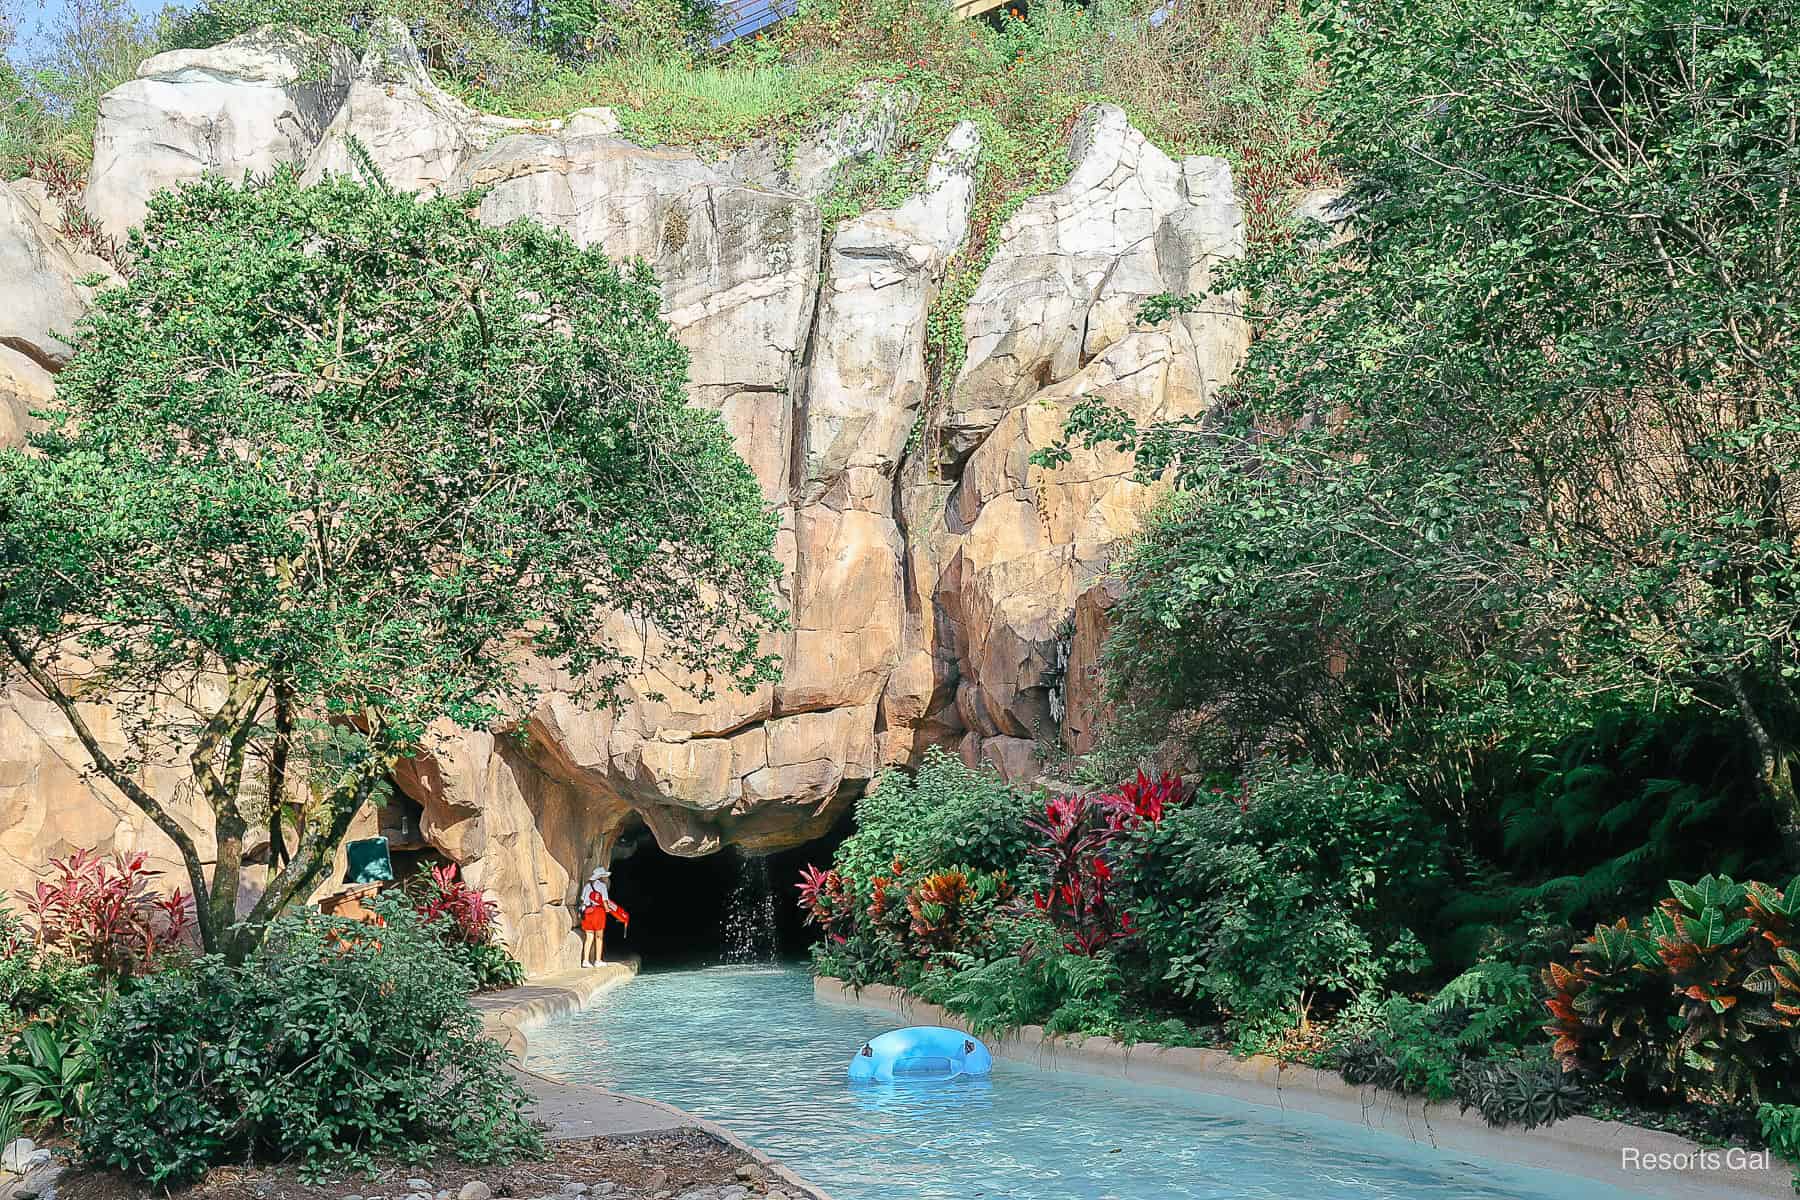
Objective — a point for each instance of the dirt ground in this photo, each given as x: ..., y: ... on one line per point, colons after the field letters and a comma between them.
x: 649, y: 1165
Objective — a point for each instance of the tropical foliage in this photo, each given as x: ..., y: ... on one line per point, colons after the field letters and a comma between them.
x: 1496, y: 525
x: 466, y: 923
x: 331, y: 1042
x: 1701, y: 996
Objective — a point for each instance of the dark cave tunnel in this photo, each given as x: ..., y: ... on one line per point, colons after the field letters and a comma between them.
x: 728, y: 907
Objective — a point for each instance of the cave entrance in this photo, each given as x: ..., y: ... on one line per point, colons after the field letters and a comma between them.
x: 729, y: 907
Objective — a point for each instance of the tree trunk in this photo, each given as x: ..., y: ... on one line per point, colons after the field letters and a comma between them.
x: 1774, y: 772
x: 278, y: 763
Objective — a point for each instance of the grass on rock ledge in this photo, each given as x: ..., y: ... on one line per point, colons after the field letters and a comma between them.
x: 1230, y: 77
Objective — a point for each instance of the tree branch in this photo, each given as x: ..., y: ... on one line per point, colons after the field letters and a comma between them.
x: 116, y: 775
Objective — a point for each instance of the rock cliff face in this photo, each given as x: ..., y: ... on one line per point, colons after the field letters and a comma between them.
x: 939, y: 583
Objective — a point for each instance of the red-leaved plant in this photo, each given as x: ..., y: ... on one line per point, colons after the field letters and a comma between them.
x: 1076, y: 831
x: 446, y: 895
x: 100, y: 909
x: 826, y: 901
x: 1144, y: 799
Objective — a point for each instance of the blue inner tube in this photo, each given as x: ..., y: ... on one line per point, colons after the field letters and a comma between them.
x: 921, y: 1053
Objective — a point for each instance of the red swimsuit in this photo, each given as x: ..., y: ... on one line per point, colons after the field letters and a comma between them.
x: 596, y: 907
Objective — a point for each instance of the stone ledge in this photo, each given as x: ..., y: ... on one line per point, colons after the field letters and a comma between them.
x: 1580, y: 1146
x: 510, y: 1016
x: 507, y: 1016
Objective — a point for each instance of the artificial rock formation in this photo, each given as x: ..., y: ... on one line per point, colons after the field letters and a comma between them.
x: 940, y: 585
x: 242, y: 108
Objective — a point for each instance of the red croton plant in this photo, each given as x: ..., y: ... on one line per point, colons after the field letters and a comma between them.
x: 1074, y: 832
x: 444, y: 895
x: 100, y: 909
x: 826, y: 901
x: 1077, y: 831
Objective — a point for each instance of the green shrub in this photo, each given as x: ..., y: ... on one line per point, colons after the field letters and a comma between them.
x: 48, y: 1002
x: 45, y: 1079
x: 35, y: 985
x: 491, y: 964
x: 1022, y: 976
x: 332, y: 1042
x: 941, y: 815
x: 578, y: 30
x: 1308, y: 889
x: 1410, y: 1049
x: 1780, y: 1126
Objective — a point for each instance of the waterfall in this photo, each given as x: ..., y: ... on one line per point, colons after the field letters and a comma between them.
x: 748, y: 924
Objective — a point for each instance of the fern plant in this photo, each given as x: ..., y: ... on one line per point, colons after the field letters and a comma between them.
x: 1498, y: 1003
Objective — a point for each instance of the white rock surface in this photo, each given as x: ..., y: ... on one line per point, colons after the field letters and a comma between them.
x: 867, y: 379
x: 245, y: 107
x: 39, y: 294
x: 417, y: 134
x: 1073, y: 268
x: 738, y: 264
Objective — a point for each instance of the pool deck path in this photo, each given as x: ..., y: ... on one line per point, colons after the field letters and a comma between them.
x: 1579, y: 1147
x: 582, y: 1110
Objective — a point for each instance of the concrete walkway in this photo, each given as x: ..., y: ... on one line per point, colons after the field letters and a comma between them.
x: 581, y: 1110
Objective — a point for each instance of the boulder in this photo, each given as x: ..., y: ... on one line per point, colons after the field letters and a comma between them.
x: 39, y: 272
x: 414, y: 132
x: 517, y: 831
x: 1015, y: 760
x: 867, y: 377
x: 1072, y: 268
x: 243, y: 108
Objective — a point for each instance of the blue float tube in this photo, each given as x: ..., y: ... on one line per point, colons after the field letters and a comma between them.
x: 924, y: 1052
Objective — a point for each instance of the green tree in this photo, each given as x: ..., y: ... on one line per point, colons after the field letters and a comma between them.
x: 335, y: 464
x: 1524, y: 447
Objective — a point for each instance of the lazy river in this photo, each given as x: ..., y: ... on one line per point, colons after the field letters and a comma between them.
x: 750, y: 1048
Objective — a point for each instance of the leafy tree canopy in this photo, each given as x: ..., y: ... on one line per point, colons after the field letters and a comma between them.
x: 1523, y: 446
x: 336, y: 463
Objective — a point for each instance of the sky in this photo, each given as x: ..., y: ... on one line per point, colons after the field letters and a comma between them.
x: 37, y: 15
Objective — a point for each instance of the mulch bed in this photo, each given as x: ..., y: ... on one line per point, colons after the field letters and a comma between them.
x: 649, y: 1165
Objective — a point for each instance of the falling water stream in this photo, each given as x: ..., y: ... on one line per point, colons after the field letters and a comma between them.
x: 748, y: 927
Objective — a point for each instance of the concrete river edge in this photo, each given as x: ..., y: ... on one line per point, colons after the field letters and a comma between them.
x: 1668, y: 1167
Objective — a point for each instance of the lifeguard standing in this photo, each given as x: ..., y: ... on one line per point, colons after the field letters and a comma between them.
x: 597, y: 905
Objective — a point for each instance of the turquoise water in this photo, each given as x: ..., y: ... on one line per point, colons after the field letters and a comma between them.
x: 751, y: 1049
